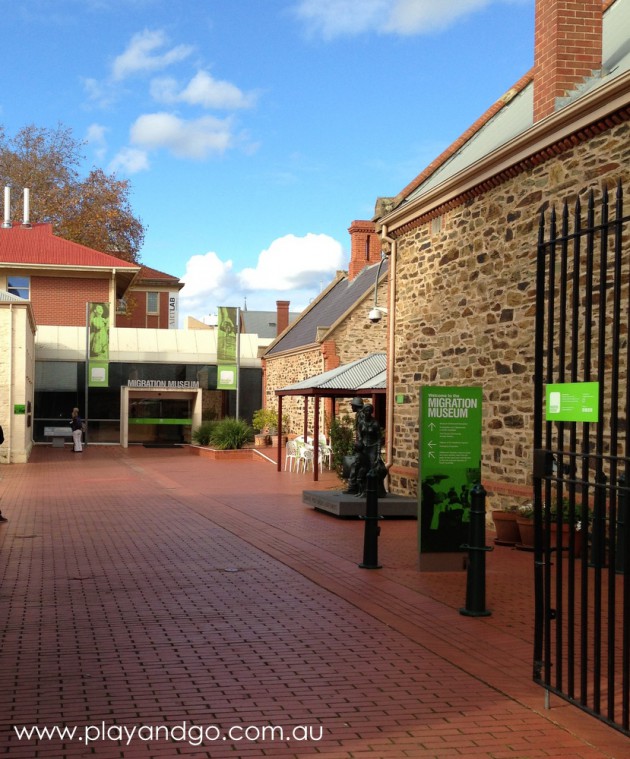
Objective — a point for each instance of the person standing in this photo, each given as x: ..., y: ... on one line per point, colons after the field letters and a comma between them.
x: 76, y: 425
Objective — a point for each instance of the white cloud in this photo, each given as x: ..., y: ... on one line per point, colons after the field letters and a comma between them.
x: 294, y: 262
x: 95, y: 137
x: 196, y: 139
x: 291, y: 268
x: 142, y: 55
x: 202, y: 90
x: 130, y: 161
x: 208, y: 281
x: 336, y: 18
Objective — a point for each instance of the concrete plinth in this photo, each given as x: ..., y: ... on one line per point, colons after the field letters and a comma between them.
x: 340, y: 505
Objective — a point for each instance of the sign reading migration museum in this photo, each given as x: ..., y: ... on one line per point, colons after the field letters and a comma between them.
x: 450, y: 464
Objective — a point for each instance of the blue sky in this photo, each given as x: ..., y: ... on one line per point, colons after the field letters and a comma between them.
x: 254, y: 132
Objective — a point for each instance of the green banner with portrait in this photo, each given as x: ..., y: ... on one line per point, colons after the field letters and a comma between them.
x: 227, y: 338
x: 98, y: 344
x: 98, y: 324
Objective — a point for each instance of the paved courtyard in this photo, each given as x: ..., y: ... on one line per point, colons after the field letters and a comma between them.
x: 158, y: 604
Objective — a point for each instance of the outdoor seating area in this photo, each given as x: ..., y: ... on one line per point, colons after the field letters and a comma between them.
x: 300, y: 454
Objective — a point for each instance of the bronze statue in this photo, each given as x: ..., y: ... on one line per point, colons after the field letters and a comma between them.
x: 366, y: 458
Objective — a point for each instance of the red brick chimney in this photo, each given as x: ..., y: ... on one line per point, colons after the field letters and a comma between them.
x: 567, y: 49
x: 365, y: 246
x: 282, y: 315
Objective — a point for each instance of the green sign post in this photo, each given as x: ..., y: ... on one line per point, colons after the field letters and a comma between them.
x: 450, y: 464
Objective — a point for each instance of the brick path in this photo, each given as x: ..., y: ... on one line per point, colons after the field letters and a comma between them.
x: 150, y: 589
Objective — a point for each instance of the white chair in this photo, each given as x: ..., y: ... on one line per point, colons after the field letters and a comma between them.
x: 325, y: 452
x: 305, y: 459
x: 291, y: 456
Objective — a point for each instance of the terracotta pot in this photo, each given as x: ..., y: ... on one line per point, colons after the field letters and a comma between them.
x: 526, y: 533
x: 506, y: 528
x: 566, y: 537
x: 526, y: 530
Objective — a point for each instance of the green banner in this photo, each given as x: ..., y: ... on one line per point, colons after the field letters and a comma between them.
x: 227, y: 377
x: 449, y: 463
x: 98, y: 374
x: 226, y: 335
x: 572, y: 402
x: 98, y: 321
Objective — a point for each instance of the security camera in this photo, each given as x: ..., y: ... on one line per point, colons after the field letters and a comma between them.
x: 376, y: 314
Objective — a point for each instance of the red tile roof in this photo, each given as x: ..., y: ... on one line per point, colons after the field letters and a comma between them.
x: 38, y: 245
x: 146, y: 272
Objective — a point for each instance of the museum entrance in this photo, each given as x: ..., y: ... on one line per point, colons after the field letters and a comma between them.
x: 159, y: 418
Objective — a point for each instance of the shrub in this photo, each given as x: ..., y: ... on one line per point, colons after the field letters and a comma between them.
x: 265, y: 419
x: 341, y: 441
x: 201, y: 435
x: 230, y: 433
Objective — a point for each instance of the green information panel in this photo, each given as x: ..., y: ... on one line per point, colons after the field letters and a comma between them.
x: 450, y: 464
x: 98, y: 374
x: 572, y: 402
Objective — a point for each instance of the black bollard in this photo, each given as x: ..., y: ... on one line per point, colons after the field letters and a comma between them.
x: 476, y: 576
x: 372, y: 529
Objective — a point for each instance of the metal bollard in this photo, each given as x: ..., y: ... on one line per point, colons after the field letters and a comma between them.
x: 476, y: 576
x: 372, y: 529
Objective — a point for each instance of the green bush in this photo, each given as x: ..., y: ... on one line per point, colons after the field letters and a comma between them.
x: 265, y: 419
x: 201, y: 435
x: 230, y: 433
x: 341, y: 441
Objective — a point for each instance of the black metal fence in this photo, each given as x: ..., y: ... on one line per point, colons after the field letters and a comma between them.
x: 582, y: 468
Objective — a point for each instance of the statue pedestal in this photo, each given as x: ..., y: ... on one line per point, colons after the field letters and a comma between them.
x: 340, y: 505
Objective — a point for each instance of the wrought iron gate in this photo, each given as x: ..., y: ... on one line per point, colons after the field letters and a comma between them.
x: 582, y: 468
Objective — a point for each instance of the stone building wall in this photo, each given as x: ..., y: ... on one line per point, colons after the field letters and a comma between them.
x: 466, y: 306
x: 287, y: 369
x: 354, y: 338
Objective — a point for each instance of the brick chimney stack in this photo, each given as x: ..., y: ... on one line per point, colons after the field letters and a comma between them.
x: 365, y: 247
x: 567, y: 49
x: 282, y: 315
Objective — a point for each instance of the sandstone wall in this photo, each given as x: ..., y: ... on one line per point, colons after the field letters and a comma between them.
x: 466, y: 306
x: 354, y: 338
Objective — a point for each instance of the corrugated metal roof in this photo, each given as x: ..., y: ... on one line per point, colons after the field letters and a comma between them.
x: 6, y: 297
x: 324, y: 313
x: 366, y: 373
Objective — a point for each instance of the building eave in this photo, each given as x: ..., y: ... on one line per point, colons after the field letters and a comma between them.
x: 598, y: 110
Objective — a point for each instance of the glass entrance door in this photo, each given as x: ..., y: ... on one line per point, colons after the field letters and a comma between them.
x: 160, y: 420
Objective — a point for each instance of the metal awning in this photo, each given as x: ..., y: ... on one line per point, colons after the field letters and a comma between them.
x: 365, y: 377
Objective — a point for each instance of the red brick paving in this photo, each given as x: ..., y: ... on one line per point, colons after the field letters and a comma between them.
x: 149, y: 588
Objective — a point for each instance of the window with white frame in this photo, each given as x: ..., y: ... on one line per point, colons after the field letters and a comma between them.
x: 153, y: 303
x: 20, y: 286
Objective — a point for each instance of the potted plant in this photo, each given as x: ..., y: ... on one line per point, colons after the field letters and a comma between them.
x: 525, y: 522
x: 263, y: 421
x: 506, y: 528
x: 570, y: 524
